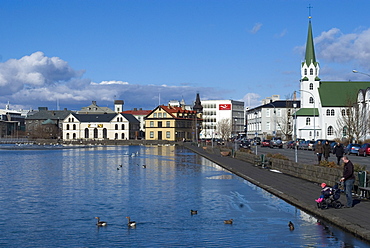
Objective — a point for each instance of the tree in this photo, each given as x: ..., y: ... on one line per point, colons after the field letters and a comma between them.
x: 285, y: 122
x: 352, y: 122
x: 224, y: 128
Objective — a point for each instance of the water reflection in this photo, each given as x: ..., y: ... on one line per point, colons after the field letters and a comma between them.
x: 51, y: 198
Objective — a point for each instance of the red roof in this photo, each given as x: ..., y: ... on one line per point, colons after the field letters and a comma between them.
x: 137, y: 112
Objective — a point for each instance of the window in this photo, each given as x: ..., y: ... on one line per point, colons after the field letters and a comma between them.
x: 74, y: 126
x: 332, y: 112
x: 305, y: 71
x: 159, y: 115
x: 328, y: 112
x: 74, y: 136
x: 159, y: 124
x: 310, y: 134
x: 311, y: 99
x: 116, y: 136
x: 343, y: 112
x: 86, y: 133
x: 168, y: 134
x: 105, y: 133
x: 95, y: 133
x: 344, y: 131
x: 122, y: 136
x: 267, y: 125
x: 152, y: 124
x: 168, y: 124
x: 267, y: 112
x: 67, y: 135
x: 151, y: 134
x: 155, y: 115
x: 116, y: 127
x: 67, y: 126
x: 311, y: 71
x: 311, y: 86
x: 308, y: 121
x: 123, y: 127
x: 330, y: 130
x: 164, y: 115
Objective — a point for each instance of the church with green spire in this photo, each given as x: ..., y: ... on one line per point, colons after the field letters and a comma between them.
x: 325, y: 105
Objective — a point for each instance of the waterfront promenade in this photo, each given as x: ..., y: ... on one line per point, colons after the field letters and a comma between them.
x: 298, y: 192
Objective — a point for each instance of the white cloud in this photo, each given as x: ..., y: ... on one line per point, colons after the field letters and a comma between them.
x: 256, y: 28
x: 252, y: 99
x: 110, y: 82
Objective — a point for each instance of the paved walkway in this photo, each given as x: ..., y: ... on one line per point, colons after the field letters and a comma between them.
x: 298, y: 192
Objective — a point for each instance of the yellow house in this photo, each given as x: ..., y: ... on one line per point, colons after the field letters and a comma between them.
x: 172, y: 123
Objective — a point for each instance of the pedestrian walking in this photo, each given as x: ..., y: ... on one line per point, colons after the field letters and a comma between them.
x: 338, y: 151
x: 326, y: 148
x: 348, y: 179
x: 319, y: 150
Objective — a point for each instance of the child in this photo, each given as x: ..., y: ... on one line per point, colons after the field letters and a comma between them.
x: 326, y: 191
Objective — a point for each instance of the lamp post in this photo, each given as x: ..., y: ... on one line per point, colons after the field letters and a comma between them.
x: 355, y: 71
x: 295, y: 131
x: 274, y: 118
x: 255, y: 140
x: 314, y: 113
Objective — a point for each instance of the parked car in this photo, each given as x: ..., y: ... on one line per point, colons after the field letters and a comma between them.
x: 364, y: 150
x: 276, y: 142
x: 290, y: 144
x: 245, y: 144
x: 303, y: 145
x: 257, y: 140
x: 310, y: 145
x: 265, y: 143
x: 352, y: 149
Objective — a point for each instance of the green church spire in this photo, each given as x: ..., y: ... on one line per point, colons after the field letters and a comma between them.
x: 310, y: 49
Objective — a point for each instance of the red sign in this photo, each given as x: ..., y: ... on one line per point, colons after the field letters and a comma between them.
x: 224, y: 107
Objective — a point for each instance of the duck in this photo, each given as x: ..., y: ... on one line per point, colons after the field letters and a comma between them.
x: 144, y: 166
x: 291, y: 226
x: 130, y: 223
x: 228, y: 221
x: 193, y: 211
x: 120, y: 165
x: 100, y: 223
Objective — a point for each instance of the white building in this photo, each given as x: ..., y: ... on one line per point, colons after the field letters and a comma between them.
x: 323, y: 103
x: 100, y: 126
x: 273, y: 118
x: 217, y: 110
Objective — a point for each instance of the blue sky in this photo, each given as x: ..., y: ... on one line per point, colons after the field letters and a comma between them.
x: 68, y: 53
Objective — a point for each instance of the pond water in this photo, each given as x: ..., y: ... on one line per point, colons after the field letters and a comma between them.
x: 49, y: 198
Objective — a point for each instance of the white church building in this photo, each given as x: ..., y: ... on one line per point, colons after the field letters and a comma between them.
x: 323, y: 103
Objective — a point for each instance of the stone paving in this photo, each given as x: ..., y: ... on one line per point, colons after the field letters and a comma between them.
x: 298, y: 192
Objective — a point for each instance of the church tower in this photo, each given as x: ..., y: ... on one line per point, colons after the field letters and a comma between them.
x: 309, y: 116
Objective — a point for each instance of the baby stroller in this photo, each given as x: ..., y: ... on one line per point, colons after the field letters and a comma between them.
x: 331, y: 199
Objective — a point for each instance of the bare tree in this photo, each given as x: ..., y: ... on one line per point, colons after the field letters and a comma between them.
x: 285, y: 122
x: 352, y: 122
x: 224, y: 128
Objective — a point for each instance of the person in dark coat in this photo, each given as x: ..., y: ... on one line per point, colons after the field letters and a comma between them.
x: 338, y: 151
x: 319, y: 150
x: 326, y: 148
x: 348, y: 179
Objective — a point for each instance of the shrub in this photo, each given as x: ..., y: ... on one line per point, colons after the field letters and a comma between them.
x: 277, y: 156
x: 358, y: 167
x: 328, y: 164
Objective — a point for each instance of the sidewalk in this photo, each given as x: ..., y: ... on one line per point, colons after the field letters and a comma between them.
x: 298, y: 192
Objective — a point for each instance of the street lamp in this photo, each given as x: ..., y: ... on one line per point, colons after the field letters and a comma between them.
x: 255, y: 140
x: 274, y: 118
x: 355, y: 71
x: 314, y: 113
x: 295, y: 131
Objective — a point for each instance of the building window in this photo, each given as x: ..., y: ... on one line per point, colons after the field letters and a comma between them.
x: 328, y: 112
x: 311, y: 100
x: 164, y: 115
x: 67, y: 126
x: 74, y: 126
x: 86, y: 133
x: 123, y: 127
x: 168, y: 134
x: 310, y: 134
x: 267, y: 125
x: 305, y: 71
x: 122, y: 136
x: 151, y: 134
x: 74, y: 136
x: 332, y: 112
x: 159, y: 115
x: 116, y: 127
x: 67, y: 135
x: 168, y: 124
x: 152, y: 124
x: 330, y: 130
x: 159, y: 124
x: 311, y: 71
x: 267, y: 112
x: 155, y: 115
x: 116, y: 136
x: 308, y: 121
x: 311, y: 86
x: 95, y: 133
x: 105, y: 133
x: 343, y: 112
